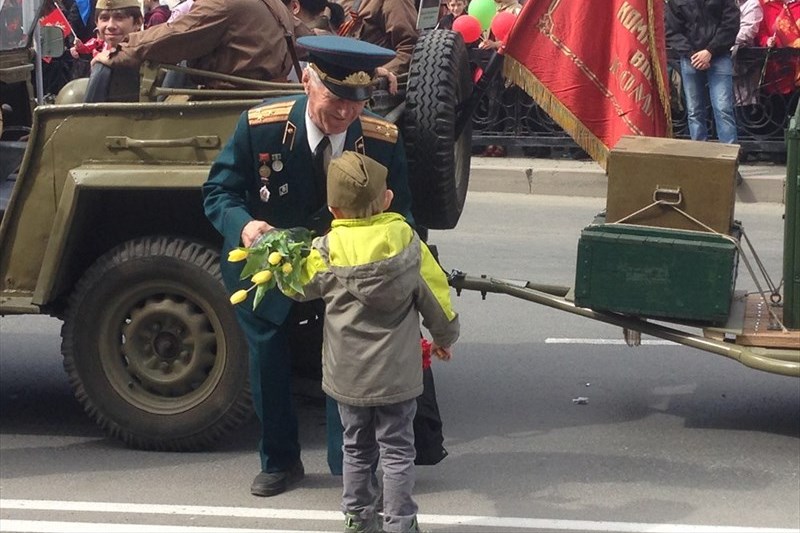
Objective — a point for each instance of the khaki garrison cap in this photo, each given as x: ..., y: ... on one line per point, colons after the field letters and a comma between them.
x: 355, y: 181
x: 110, y: 5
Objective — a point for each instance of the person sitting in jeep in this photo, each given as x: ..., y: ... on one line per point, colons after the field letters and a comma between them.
x: 245, y: 38
x: 115, y: 20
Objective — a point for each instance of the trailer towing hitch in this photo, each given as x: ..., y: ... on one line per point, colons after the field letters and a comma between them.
x: 777, y: 361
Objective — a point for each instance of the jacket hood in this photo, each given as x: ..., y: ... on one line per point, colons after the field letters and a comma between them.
x: 373, y: 254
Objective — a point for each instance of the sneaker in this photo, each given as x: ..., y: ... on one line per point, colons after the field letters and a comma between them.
x: 273, y: 483
x: 413, y: 528
x: 353, y: 523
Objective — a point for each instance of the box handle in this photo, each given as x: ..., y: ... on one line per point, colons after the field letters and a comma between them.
x: 668, y: 196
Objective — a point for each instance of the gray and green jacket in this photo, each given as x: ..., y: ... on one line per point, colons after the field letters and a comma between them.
x: 376, y: 277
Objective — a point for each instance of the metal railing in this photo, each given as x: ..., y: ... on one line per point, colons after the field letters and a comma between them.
x: 507, y: 116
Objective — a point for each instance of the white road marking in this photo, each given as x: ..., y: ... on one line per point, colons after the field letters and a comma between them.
x: 645, y: 342
x: 42, y: 526
x: 317, y: 515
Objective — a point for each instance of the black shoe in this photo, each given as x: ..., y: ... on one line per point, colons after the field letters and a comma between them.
x: 739, y: 178
x: 273, y: 483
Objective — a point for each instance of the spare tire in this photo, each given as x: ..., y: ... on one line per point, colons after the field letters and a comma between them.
x: 439, y: 80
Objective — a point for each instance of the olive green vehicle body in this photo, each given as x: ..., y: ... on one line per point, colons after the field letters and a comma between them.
x: 95, y: 175
x: 104, y: 229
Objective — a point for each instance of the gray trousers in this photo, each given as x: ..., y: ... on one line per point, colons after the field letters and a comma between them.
x: 385, y: 431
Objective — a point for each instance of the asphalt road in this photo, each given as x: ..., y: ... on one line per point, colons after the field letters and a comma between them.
x: 669, y: 439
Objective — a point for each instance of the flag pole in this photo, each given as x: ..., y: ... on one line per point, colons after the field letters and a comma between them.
x: 766, y: 58
x: 58, y: 6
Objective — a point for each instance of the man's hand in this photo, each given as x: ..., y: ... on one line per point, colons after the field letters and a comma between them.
x: 103, y: 57
x: 253, y: 230
x: 701, y: 60
x: 386, y: 73
x: 443, y: 353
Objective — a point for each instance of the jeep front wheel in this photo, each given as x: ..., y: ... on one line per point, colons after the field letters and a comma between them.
x: 153, y: 349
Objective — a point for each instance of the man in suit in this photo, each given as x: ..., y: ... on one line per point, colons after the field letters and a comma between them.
x: 271, y: 174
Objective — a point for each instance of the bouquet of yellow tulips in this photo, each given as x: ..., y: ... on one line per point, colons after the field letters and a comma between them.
x: 273, y: 260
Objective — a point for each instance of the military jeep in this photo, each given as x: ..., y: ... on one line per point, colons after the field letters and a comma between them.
x: 104, y: 228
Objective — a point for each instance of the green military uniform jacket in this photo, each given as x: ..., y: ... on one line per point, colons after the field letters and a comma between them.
x: 270, y: 148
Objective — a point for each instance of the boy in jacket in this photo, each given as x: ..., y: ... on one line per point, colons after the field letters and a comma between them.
x: 376, y: 277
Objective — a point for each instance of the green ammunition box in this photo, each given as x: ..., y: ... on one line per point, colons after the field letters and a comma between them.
x: 656, y: 272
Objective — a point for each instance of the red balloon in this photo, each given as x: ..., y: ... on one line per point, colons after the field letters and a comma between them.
x: 469, y: 27
x: 501, y: 25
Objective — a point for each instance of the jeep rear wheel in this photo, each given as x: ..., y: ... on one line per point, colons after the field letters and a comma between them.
x: 153, y: 349
x: 439, y: 80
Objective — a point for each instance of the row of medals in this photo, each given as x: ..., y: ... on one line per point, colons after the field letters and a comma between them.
x: 265, y: 171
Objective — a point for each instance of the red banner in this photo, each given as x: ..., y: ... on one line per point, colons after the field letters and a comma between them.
x: 56, y: 18
x: 598, y: 68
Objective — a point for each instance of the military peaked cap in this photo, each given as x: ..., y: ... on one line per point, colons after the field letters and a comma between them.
x: 346, y: 66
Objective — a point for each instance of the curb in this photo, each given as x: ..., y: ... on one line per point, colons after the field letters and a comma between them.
x: 556, y: 177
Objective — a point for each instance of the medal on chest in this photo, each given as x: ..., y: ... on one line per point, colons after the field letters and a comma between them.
x: 264, y: 173
x: 267, y: 164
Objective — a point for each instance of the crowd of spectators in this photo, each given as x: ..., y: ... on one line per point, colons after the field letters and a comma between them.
x: 770, y: 24
x: 246, y: 38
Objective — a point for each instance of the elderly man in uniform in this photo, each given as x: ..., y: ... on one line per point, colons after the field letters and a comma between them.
x: 244, y: 38
x: 271, y: 174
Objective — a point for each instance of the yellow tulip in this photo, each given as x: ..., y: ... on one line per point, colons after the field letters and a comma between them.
x: 275, y: 258
x: 239, y: 296
x: 259, y: 278
x: 287, y: 268
x: 237, y: 254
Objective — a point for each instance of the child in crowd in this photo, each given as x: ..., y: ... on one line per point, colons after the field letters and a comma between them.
x: 455, y: 8
x: 115, y: 19
x: 376, y: 277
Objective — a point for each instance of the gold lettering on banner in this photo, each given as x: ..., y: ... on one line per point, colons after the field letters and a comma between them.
x: 633, y: 21
x: 634, y: 74
x: 628, y: 79
x: 638, y: 91
x: 641, y: 62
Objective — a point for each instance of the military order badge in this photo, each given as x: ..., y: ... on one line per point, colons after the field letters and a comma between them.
x: 264, y: 172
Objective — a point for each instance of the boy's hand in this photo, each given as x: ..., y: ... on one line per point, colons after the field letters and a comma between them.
x: 444, y: 353
x: 73, y: 51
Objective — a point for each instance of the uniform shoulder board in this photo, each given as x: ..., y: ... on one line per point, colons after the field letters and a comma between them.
x: 269, y: 113
x: 377, y: 128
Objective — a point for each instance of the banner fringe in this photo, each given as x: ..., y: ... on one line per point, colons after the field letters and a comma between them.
x: 658, y: 68
x: 517, y: 73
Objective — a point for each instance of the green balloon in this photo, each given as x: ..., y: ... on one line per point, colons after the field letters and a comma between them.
x: 484, y: 11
